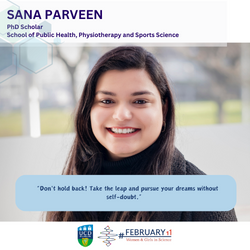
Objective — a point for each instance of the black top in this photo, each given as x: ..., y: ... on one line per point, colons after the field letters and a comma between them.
x: 128, y: 165
x: 179, y: 167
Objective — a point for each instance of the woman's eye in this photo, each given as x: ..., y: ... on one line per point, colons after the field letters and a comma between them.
x: 107, y: 101
x: 140, y: 102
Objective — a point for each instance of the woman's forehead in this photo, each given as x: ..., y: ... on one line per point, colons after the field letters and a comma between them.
x: 131, y: 80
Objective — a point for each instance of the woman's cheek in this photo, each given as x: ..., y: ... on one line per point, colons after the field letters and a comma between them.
x: 154, y: 124
x: 95, y: 120
x: 99, y: 118
x: 152, y: 116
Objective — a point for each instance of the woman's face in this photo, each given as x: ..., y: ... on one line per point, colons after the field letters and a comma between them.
x: 127, y: 113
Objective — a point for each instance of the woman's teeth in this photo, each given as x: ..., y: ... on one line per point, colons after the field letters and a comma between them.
x: 122, y: 131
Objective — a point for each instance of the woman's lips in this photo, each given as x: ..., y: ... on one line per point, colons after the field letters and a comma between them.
x: 123, y: 131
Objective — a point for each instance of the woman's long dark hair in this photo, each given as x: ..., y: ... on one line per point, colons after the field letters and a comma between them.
x: 86, y: 154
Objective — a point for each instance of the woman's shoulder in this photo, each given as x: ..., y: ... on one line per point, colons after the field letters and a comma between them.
x: 181, y: 166
x: 191, y: 169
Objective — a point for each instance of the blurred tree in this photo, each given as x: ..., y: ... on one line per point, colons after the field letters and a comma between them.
x: 222, y: 64
x: 73, y: 56
x: 71, y: 59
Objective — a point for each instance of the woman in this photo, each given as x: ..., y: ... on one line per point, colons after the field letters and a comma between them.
x: 125, y: 124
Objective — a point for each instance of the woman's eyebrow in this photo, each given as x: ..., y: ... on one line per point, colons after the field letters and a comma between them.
x: 105, y: 92
x: 145, y: 92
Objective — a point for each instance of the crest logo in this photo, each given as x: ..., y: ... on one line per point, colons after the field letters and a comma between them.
x: 85, y: 235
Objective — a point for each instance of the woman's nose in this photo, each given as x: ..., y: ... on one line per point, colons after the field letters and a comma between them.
x: 122, y: 113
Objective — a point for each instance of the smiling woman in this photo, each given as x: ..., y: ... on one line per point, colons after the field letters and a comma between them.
x: 125, y: 124
x: 126, y: 120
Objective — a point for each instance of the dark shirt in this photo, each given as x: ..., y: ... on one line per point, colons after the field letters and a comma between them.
x: 179, y: 167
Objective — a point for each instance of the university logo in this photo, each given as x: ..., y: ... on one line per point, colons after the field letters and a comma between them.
x: 85, y: 235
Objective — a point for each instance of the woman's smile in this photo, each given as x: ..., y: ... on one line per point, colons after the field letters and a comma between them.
x: 123, y: 131
x: 126, y: 116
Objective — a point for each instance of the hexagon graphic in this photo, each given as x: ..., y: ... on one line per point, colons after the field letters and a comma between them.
x: 10, y: 28
x: 34, y: 54
x: 57, y: 41
x: 4, y: 20
x: 5, y: 54
x: 46, y: 27
x: 9, y: 71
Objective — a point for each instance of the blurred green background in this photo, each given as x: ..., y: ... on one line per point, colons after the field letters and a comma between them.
x: 209, y: 84
x: 187, y: 114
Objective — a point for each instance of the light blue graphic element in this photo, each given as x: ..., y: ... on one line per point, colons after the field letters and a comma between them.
x: 34, y: 54
x: 10, y: 71
x: 46, y: 27
x: 31, y: 54
x: 129, y: 193
x: 8, y: 66
x: 6, y: 24
x: 57, y: 41
x: 5, y: 54
x: 4, y: 20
